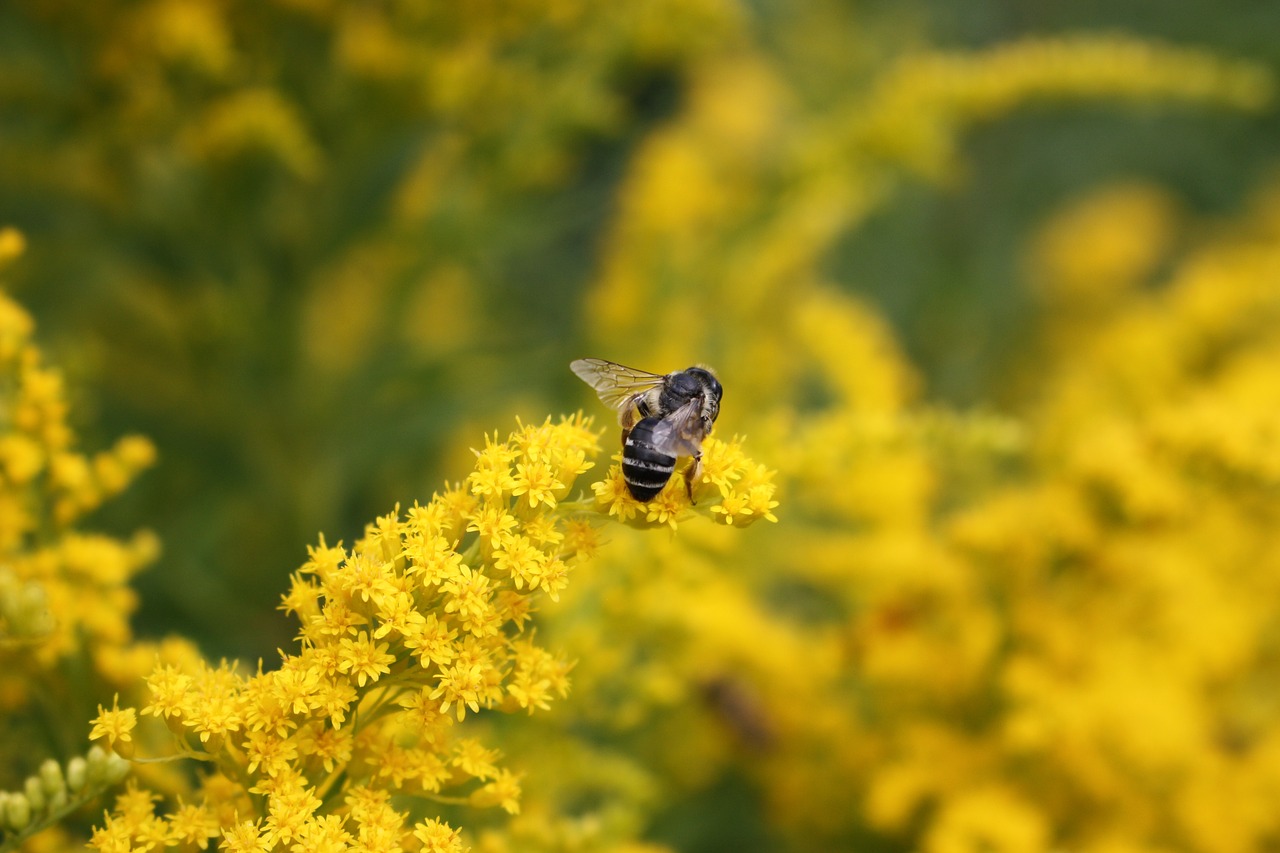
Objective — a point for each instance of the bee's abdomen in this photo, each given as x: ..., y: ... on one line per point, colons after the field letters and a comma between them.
x: 645, y: 468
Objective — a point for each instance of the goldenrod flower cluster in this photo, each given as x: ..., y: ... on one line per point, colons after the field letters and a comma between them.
x: 421, y: 624
x: 61, y: 591
x: 915, y: 110
x: 65, y: 600
x: 975, y: 631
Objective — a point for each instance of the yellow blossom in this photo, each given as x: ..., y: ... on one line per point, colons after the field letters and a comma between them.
x: 193, y: 825
x: 365, y: 660
x: 613, y: 494
x: 502, y: 791
x: 474, y: 759
x: 535, y: 479
x: 245, y: 837
x: 116, y: 726
x: 404, y: 592
x: 438, y: 837
x: 491, y: 521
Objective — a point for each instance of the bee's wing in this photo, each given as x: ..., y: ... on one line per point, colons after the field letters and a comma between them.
x: 616, y: 385
x: 681, y: 433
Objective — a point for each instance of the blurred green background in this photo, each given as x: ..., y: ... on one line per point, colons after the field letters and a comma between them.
x: 314, y: 249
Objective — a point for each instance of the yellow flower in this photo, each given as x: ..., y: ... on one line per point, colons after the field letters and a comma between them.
x: 331, y: 745
x: 289, y: 807
x: 245, y: 837
x: 502, y: 791
x: 438, y: 837
x: 431, y: 556
x: 460, y: 687
x: 323, y: 834
x: 536, y: 479
x: 669, y: 506
x: 474, y: 759
x: 433, y: 642
x: 613, y: 494
x: 469, y: 596
x: 365, y: 660
x: 490, y: 522
x: 519, y: 558
x: 733, y: 507
x: 116, y: 726
x: 192, y: 825
x: 405, y: 633
x: 492, y: 477
x: 269, y: 751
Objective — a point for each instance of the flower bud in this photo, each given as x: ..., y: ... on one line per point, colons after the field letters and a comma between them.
x: 96, y: 774
x: 17, y: 812
x: 77, y: 774
x: 51, y: 778
x: 35, y: 794
x: 117, y: 769
x: 57, y: 802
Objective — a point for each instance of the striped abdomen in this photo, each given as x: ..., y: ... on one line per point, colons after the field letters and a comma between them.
x: 645, y: 468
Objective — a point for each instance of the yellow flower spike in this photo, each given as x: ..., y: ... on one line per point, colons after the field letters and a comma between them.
x: 424, y: 620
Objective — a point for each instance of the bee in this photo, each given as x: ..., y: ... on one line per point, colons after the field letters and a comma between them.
x: 663, y: 418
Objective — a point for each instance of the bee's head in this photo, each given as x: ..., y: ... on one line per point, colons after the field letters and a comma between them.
x: 710, y: 385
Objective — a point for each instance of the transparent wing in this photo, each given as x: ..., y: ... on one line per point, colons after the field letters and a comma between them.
x: 616, y: 385
x: 681, y: 433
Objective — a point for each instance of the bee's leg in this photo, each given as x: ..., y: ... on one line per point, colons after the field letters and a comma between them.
x: 693, y: 472
x: 629, y: 419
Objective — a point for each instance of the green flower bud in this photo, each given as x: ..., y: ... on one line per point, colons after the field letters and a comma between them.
x: 57, y: 801
x: 51, y: 778
x: 35, y: 794
x: 96, y: 774
x: 17, y: 812
x: 77, y: 774
x: 117, y: 768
